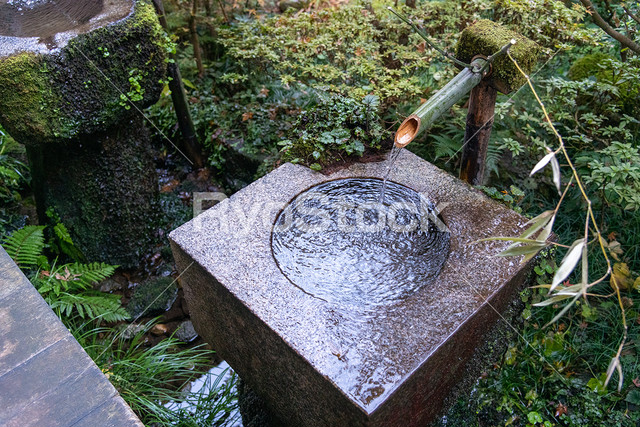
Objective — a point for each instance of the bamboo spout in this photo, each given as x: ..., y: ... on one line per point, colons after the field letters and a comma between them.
x: 426, y: 115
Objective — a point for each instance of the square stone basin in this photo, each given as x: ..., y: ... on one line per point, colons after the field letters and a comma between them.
x: 319, y: 363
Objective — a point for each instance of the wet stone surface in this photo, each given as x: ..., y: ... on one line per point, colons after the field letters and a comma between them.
x: 316, y: 362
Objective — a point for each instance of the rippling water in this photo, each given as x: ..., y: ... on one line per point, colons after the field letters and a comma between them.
x: 337, y: 242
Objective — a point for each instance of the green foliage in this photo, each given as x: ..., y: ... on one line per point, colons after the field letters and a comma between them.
x: 536, y: 382
x: 25, y: 246
x: 338, y: 127
x: 68, y: 288
x: 511, y: 198
x: 547, y: 22
x: 615, y: 170
x: 150, y: 377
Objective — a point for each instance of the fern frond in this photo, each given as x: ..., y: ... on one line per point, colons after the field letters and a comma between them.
x: 86, y: 275
x: 25, y: 246
x: 494, y: 153
x: 445, y: 146
x: 92, y: 305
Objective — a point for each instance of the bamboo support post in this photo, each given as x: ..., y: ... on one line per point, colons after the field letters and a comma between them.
x: 482, y: 105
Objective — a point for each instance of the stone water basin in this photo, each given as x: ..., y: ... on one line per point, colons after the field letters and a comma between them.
x: 321, y: 358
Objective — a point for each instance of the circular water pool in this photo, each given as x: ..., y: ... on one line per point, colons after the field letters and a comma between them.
x: 337, y: 242
x: 44, y: 18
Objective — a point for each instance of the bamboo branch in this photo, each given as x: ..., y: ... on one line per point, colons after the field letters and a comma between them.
x: 600, y: 22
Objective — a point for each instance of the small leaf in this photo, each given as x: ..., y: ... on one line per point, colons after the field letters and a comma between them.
x: 188, y: 84
x: 568, y: 263
x: 542, y: 163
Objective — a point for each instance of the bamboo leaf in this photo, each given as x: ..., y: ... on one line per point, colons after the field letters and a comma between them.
x: 530, y: 249
x: 509, y: 239
x: 557, y: 177
x: 563, y: 311
x: 540, y: 222
x: 542, y: 163
x: 570, y: 290
x: 546, y: 232
x: 568, y: 263
x: 545, y: 214
x: 552, y: 300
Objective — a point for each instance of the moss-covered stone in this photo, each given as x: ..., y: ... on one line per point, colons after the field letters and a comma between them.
x: 80, y: 89
x: 486, y: 38
x: 153, y: 297
x: 104, y: 188
x: 28, y: 106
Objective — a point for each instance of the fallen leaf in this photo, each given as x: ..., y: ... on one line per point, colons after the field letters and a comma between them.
x: 620, y: 277
x: 636, y: 382
x: 247, y: 116
x: 561, y: 409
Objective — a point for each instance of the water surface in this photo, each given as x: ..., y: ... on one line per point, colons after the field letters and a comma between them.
x: 337, y: 242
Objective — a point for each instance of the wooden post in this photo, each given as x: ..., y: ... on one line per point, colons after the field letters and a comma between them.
x: 482, y: 104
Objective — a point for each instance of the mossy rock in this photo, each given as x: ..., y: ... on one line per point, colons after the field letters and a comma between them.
x: 78, y: 89
x: 153, y: 297
x: 587, y: 66
x: 104, y: 188
x: 486, y: 38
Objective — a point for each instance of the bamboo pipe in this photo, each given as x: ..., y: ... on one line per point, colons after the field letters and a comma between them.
x: 426, y: 115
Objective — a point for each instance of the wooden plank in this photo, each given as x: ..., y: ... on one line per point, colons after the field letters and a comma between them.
x: 114, y: 413
x: 27, y: 327
x: 75, y: 397
x: 39, y: 376
x: 11, y: 278
x: 46, y: 378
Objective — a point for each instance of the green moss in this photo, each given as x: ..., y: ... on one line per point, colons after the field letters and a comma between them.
x: 485, y: 38
x: 78, y: 90
x: 587, y: 66
x: 28, y: 105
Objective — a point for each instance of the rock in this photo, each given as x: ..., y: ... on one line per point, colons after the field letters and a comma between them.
x: 159, y: 329
x: 48, y: 93
x: 186, y: 332
x: 109, y: 285
x: 131, y: 330
x: 153, y: 297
